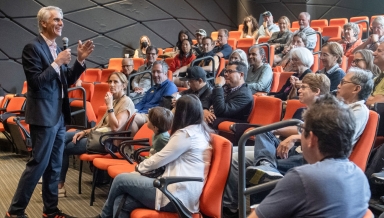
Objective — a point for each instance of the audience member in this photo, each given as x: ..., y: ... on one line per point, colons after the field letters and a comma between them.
x: 120, y: 109
x: 326, y: 138
x: 198, y: 85
x: 198, y: 47
x: 142, y: 50
x: 141, y: 83
x: 268, y: 26
x: 259, y: 78
x: 127, y: 68
x: 237, y: 55
x: 184, y: 58
x: 159, y: 121
x: 188, y: 153
x: 377, y: 95
x: 376, y: 37
x: 280, y: 38
x: 350, y: 38
x: 302, y: 60
x: 250, y: 27
x: 162, y: 87
x: 222, y: 50
x: 363, y: 59
x: 299, y: 39
x: 331, y: 57
x: 304, y: 21
x: 183, y: 34
x: 231, y: 98
x: 263, y: 155
x: 206, y: 64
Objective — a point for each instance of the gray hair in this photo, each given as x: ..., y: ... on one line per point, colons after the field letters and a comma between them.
x: 379, y: 20
x: 355, y: 28
x: 303, y: 54
x: 44, y: 14
x: 261, y: 52
x: 307, y: 15
x: 243, y: 55
x: 364, y: 79
x: 226, y: 33
x: 303, y: 37
x: 368, y: 58
x: 164, y: 66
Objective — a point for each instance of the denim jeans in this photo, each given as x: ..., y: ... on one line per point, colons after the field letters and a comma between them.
x: 71, y: 149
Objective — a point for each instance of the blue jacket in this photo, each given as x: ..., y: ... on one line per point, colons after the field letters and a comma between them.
x: 153, y: 96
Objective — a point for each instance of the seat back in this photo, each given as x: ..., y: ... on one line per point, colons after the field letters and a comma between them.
x: 350, y: 59
x: 332, y: 31
x: 92, y: 75
x: 315, y: 65
x: 292, y: 106
x: 363, y: 146
x: 115, y: 63
x: 25, y: 88
x: 214, y: 35
x: 232, y: 42
x: 6, y: 100
x: 235, y: 34
x: 245, y: 43
x: 295, y: 24
x: 221, y: 66
x: 169, y: 61
x: 266, y: 110
x: 275, y: 82
x: 16, y: 103
x: 99, y: 91
x: 240, y: 27
x: 364, y: 25
x: 319, y: 23
x: 100, y: 112
x: 211, y: 197
x: 105, y: 74
x: 263, y: 39
x: 137, y: 62
x: 338, y: 22
x: 143, y: 133
x: 284, y: 76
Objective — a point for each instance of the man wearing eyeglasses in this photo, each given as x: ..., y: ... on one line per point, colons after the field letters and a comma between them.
x: 141, y: 83
x: 231, y: 99
x: 377, y: 37
x: 330, y: 185
x: 127, y: 68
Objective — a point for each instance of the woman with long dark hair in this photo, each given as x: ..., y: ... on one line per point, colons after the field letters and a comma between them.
x: 188, y: 153
x: 250, y: 27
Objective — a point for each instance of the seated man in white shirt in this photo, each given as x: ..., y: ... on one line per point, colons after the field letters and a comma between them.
x: 268, y: 26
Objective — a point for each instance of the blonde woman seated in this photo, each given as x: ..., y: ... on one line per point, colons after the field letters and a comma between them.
x: 119, y: 109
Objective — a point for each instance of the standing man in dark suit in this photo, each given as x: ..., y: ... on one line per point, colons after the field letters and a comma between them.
x: 47, y: 110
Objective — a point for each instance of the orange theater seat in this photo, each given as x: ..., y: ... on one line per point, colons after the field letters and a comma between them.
x: 338, y: 22
x: 284, y: 76
x: 315, y: 65
x: 137, y: 62
x: 295, y: 24
x: 105, y: 74
x: 211, y: 197
x: 245, y: 43
x: 292, y: 106
x: 361, y: 18
x: 240, y: 27
x: 214, y: 35
x: 92, y: 75
x: 235, y: 34
x: 275, y: 82
x: 362, y: 149
x: 115, y: 63
x: 232, y: 42
x: 263, y: 39
x: 319, y: 23
x: 334, y: 32
x: 25, y: 88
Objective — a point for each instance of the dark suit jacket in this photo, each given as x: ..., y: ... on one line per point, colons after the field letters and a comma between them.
x: 44, y: 97
x: 237, y: 105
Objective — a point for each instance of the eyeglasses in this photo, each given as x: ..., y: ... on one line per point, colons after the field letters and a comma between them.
x: 153, y: 54
x: 377, y: 27
x: 356, y: 61
x: 304, y: 87
x: 342, y: 82
x: 301, y: 128
x: 230, y: 71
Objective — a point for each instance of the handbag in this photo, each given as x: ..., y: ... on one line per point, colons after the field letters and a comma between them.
x: 93, y: 142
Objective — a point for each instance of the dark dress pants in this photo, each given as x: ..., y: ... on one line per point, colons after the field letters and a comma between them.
x: 47, y: 153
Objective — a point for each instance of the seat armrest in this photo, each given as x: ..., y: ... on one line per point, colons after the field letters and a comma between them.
x: 162, y: 184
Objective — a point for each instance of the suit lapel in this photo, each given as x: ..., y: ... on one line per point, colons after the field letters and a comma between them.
x: 45, y: 48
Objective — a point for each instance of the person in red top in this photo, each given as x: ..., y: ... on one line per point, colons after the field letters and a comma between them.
x: 184, y: 58
x: 350, y: 39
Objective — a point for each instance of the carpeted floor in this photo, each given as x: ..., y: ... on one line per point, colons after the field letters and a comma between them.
x: 11, y: 167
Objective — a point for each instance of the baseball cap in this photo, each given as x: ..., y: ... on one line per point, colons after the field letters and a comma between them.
x: 267, y: 13
x: 201, y: 32
x: 194, y: 72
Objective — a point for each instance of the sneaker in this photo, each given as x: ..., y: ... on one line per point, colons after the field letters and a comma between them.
x: 57, y: 214
x: 378, y: 178
x: 7, y: 215
x: 263, y: 173
x: 62, y: 193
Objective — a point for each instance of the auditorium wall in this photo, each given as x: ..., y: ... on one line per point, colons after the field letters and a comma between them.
x: 116, y: 25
